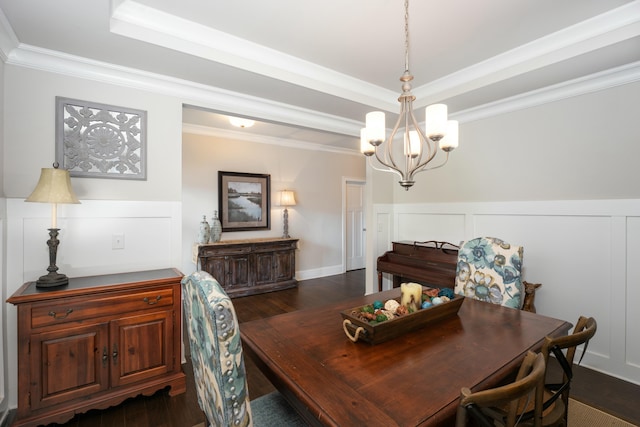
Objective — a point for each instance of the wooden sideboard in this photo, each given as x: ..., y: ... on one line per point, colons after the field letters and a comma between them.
x: 252, y: 266
x: 95, y: 342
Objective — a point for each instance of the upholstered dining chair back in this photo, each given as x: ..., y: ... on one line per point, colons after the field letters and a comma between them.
x: 216, y: 351
x: 218, y: 363
x: 502, y: 406
x: 490, y: 270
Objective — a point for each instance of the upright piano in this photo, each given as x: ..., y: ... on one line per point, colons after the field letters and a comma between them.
x: 429, y: 263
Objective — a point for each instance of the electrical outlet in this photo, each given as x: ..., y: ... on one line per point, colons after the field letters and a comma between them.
x: 117, y: 241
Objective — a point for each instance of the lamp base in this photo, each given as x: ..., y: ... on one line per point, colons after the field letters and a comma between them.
x: 52, y: 280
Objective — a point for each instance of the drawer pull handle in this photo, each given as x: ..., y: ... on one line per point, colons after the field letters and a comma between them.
x: 105, y: 356
x: 115, y: 354
x: 151, y: 302
x: 62, y: 316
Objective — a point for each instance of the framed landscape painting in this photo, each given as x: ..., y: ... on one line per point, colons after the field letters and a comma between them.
x: 243, y: 200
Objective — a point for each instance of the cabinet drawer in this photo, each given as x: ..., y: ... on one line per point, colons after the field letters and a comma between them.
x: 77, y: 309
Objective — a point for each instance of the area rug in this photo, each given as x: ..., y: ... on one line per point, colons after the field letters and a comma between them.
x: 580, y: 415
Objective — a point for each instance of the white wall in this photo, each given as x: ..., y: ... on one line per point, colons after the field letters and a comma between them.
x: 30, y: 135
x: 579, y: 148
x: 583, y: 252
x: 4, y: 401
x: 315, y: 176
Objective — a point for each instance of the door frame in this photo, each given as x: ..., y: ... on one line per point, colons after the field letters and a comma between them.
x: 345, y: 181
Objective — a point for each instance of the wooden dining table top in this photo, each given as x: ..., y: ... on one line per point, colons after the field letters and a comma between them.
x: 412, y: 380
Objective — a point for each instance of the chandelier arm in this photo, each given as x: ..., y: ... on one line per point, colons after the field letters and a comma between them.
x: 390, y: 170
x: 388, y: 151
x: 424, y: 141
x: 423, y: 168
x: 409, y: 120
x: 391, y: 167
x: 433, y: 150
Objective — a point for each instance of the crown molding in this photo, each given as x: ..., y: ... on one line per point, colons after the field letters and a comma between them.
x: 261, y: 139
x: 8, y: 39
x: 141, y: 22
x: 188, y: 92
x: 625, y: 74
x: 603, y: 30
x: 245, y: 105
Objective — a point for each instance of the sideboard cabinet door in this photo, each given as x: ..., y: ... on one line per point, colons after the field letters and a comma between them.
x: 284, y: 265
x: 141, y: 347
x: 56, y: 354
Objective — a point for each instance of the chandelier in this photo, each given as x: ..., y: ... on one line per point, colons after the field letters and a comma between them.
x: 419, y: 147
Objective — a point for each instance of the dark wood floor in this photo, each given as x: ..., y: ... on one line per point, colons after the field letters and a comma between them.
x: 617, y: 397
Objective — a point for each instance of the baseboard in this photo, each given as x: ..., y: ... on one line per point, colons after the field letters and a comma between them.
x: 320, y: 272
x: 7, y: 417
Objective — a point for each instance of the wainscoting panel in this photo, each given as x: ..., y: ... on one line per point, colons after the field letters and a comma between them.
x: 583, y: 253
x: 570, y: 256
x: 423, y: 227
x: 152, y: 239
x: 632, y: 295
x: 87, y: 233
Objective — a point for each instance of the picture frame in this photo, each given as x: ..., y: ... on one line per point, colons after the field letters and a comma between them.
x: 95, y: 140
x: 244, y: 201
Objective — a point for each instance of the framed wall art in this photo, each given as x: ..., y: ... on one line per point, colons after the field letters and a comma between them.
x: 243, y: 201
x: 101, y: 141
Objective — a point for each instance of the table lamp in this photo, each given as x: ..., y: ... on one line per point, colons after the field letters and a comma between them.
x: 287, y: 198
x: 53, y: 187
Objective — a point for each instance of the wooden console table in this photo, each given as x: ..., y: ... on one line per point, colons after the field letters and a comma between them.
x: 252, y: 266
x: 95, y: 342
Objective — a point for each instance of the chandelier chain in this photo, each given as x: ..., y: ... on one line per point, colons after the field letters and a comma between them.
x: 406, y: 35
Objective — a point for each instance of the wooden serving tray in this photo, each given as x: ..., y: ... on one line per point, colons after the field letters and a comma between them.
x: 360, y: 330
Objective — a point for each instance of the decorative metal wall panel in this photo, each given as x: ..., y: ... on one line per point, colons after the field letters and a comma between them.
x: 101, y: 141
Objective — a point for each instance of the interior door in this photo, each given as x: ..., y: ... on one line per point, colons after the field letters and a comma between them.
x: 355, y: 225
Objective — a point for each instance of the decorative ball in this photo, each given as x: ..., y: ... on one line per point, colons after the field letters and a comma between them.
x: 388, y: 313
x: 446, y: 292
x: 426, y: 304
x: 378, y: 305
x: 391, y: 305
x: 437, y: 300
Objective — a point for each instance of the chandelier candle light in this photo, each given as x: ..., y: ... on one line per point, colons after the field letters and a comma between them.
x: 287, y: 198
x: 53, y: 187
x: 419, y: 147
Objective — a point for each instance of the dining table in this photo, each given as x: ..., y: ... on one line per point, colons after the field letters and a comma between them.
x: 413, y: 379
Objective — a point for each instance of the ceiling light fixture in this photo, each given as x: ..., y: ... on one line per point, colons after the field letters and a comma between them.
x: 419, y: 147
x: 241, y: 123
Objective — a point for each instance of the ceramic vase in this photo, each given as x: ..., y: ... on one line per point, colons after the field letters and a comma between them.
x: 216, y: 229
x: 204, y: 232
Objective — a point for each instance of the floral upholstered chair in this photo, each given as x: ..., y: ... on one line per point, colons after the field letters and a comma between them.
x: 218, y: 364
x: 489, y: 269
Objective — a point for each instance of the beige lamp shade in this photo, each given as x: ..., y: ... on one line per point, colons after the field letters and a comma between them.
x: 54, y: 186
x: 287, y: 198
